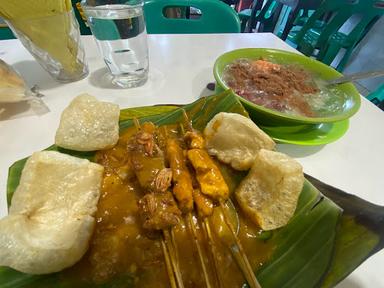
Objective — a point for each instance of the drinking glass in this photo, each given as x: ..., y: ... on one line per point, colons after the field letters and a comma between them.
x: 119, y: 30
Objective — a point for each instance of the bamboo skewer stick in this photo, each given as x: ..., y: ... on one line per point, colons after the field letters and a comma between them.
x: 137, y: 124
x: 168, y: 265
x: 187, y: 121
x: 213, y: 250
x: 169, y: 253
x: 175, y: 265
x: 199, y: 250
x: 174, y: 244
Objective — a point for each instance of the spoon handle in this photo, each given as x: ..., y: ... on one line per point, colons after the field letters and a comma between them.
x: 356, y: 76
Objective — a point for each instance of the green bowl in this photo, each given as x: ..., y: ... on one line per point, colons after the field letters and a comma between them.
x: 267, y: 116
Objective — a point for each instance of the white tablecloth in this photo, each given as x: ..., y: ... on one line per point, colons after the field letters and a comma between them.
x: 180, y: 68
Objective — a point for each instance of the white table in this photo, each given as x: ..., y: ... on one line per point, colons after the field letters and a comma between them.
x: 180, y: 68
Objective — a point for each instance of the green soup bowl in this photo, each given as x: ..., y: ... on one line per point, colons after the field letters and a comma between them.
x: 347, y: 105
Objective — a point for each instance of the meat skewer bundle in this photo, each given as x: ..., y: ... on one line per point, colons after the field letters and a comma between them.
x: 183, y: 192
x: 213, y: 185
x: 157, y: 207
x: 172, y: 192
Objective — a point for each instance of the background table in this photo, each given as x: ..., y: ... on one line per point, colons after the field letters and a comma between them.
x: 180, y: 68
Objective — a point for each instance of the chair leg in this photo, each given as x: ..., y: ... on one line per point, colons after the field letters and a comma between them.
x: 328, y: 53
x: 306, y: 49
x: 270, y: 24
x: 344, y: 60
x: 288, y: 26
x: 252, y: 20
x: 243, y: 24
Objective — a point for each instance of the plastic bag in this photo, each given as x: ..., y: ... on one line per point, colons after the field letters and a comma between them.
x: 13, y: 89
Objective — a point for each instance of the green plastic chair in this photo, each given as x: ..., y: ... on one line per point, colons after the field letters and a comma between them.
x: 296, y: 8
x: 266, y: 18
x: 328, y: 40
x: 5, y: 32
x: 216, y: 17
x: 303, y: 17
x: 377, y: 97
x: 245, y: 14
x: 296, y: 13
x: 84, y: 29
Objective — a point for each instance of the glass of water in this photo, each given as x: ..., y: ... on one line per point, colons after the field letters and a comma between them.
x: 119, y: 29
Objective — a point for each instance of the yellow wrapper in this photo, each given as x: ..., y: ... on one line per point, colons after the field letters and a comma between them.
x: 27, y: 9
x: 47, y: 24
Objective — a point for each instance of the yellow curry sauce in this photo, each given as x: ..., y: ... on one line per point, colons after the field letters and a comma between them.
x: 120, y: 247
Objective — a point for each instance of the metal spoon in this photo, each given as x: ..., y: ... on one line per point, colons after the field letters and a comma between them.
x: 227, y: 228
x: 355, y: 76
x: 219, y: 226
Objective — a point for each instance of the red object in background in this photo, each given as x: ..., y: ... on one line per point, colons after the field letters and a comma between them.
x: 243, y: 4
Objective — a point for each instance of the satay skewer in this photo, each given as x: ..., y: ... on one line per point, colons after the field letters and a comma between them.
x: 169, y: 253
x: 207, y: 231
x: 184, y: 196
x: 220, y: 193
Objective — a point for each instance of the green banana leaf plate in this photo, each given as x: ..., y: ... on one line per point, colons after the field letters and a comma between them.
x: 320, y: 246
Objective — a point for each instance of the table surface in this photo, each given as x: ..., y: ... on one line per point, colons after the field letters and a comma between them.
x: 180, y: 68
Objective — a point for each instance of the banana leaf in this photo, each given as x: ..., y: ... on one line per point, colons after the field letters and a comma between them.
x: 319, y: 247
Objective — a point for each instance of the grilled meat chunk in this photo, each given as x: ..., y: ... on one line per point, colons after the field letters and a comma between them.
x: 159, y: 211
x: 208, y: 175
x: 182, y: 182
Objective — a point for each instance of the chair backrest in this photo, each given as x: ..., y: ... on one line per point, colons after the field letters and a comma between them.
x: 216, y: 17
x: 309, y: 4
x: 5, y: 31
x: 268, y: 9
x: 81, y: 19
x: 267, y: 17
x: 377, y: 96
x: 341, y: 11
